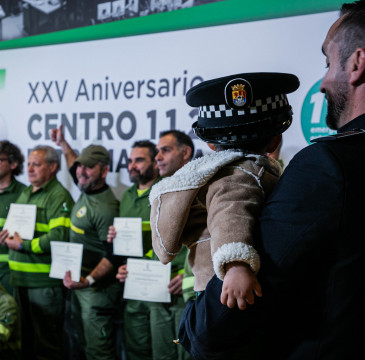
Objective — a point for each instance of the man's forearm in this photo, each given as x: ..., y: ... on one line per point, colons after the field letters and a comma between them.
x: 69, y: 154
x: 102, y: 269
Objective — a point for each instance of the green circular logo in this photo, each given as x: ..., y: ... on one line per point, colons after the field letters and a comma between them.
x: 314, y: 112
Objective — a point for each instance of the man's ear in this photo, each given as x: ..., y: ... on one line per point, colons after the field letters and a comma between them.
x: 274, y: 143
x: 186, y: 153
x: 104, y: 171
x: 13, y: 165
x: 357, y: 67
x: 53, y: 167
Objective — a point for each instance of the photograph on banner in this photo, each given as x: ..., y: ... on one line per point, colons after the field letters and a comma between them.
x: 32, y: 17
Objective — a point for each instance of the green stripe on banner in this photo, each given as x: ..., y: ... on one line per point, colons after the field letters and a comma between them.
x: 213, y: 14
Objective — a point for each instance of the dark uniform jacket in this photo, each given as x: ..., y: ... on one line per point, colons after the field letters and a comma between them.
x: 312, y: 249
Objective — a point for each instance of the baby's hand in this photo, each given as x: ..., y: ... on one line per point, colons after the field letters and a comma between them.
x: 239, y: 284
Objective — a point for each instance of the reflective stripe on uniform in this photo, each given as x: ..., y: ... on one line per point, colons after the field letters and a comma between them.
x: 53, y: 223
x: 76, y: 229
x: 4, y: 257
x: 188, y: 282
x: 35, y: 246
x: 146, y: 226
x: 29, y: 267
x: 61, y: 221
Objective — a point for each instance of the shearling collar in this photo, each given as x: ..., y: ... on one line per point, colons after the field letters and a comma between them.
x: 198, y: 172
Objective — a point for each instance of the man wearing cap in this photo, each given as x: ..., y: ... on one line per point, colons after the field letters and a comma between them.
x: 11, y: 165
x: 40, y: 298
x: 221, y: 195
x: 95, y: 298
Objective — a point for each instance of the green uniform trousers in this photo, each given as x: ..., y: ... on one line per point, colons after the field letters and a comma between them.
x: 94, y: 312
x: 150, y: 328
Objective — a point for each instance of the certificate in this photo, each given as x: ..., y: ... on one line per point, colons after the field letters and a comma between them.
x: 66, y: 256
x: 21, y: 219
x: 147, y: 280
x: 128, y: 240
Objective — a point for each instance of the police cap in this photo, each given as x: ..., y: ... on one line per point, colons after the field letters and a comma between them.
x: 242, y: 108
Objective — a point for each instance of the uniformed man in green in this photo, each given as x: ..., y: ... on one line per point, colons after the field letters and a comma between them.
x: 150, y: 327
x: 143, y: 173
x: 96, y: 297
x: 41, y: 298
x: 11, y: 165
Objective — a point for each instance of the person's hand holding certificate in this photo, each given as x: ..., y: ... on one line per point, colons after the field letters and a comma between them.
x: 128, y: 240
x: 66, y: 256
x: 21, y: 219
x: 147, y: 280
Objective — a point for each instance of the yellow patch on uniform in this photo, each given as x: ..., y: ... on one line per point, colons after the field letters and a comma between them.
x: 81, y: 212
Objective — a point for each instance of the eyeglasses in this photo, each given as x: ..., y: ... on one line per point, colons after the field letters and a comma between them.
x: 3, y: 159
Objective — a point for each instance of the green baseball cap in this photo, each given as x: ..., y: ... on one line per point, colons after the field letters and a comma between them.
x: 92, y: 155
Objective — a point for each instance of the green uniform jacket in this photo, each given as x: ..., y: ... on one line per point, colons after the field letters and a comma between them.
x: 132, y: 205
x: 9, y: 327
x: 30, y: 267
x: 8, y: 196
x: 91, y: 217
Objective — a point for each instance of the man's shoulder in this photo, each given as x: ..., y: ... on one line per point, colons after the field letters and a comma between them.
x: 102, y: 202
x: 19, y: 186
x: 57, y: 189
x: 350, y: 135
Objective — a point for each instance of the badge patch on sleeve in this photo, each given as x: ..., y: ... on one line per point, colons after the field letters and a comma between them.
x: 81, y: 212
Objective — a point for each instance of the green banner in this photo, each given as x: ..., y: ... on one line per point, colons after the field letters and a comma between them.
x: 213, y: 14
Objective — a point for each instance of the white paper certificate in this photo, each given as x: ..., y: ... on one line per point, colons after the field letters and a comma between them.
x: 66, y: 256
x: 147, y: 280
x: 128, y: 241
x: 21, y: 219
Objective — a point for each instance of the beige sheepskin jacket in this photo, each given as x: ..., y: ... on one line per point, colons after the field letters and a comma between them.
x: 211, y: 205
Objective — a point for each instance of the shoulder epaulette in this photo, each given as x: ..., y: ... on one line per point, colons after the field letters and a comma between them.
x: 354, y: 132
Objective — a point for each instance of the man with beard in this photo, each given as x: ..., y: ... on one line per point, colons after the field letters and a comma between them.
x: 95, y: 298
x: 143, y: 173
x: 312, y: 229
x: 150, y: 327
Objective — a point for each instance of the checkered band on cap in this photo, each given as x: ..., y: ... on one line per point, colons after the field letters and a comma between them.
x: 258, y: 106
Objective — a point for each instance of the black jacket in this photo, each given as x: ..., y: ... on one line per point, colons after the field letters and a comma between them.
x: 312, y: 249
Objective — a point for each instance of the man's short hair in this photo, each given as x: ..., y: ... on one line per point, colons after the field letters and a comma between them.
x: 14, y: 155
x: 51, y: 154
x: 351, y: 31
x: 181, y: 139
x: 147, y: 144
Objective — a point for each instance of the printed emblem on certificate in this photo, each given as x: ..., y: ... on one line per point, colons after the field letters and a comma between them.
x: 128, y: 241
x: 147, y: 280
x: 21, y: 219
x: 66, y: 256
